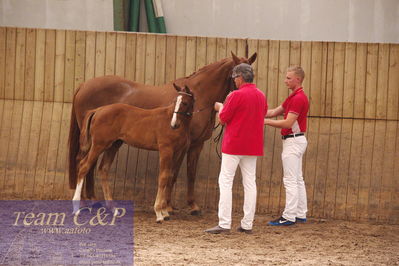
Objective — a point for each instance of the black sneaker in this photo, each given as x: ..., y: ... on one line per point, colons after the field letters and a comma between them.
x: 300, y: 220
x: 242, y: 230
x: 281, y: 221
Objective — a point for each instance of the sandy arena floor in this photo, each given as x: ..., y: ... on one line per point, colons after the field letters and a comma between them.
x: 182, y: 241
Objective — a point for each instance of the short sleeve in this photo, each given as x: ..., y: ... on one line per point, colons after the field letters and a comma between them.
x: 296, y: 106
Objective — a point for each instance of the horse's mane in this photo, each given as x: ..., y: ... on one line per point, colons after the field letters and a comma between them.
x: 214, y: 65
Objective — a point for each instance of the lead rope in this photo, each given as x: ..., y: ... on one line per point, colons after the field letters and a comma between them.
x: 218, y: 138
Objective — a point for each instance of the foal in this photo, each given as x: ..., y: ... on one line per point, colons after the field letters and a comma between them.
x: 165, y: 129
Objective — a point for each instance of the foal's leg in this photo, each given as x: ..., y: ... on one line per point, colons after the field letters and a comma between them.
x: 165, y: 174
x: 172, y: 181
x: 192, y: 161
x: 103, y: 169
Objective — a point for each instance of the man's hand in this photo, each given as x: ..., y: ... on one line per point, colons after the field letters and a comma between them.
x: 284, y: 123
x: 275, y: 112
x: 267, y: 122
x: 218, y: 106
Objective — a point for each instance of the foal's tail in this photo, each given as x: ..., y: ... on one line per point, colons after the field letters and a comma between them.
x: 85, y: 137
x: 85, y: 147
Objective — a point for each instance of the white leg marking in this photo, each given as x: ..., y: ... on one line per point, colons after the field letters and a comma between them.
x: 174, y: 117
x: 77, y: 196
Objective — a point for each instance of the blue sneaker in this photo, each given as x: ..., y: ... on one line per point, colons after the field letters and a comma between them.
x: 300, y: 220
x: 281, y: 221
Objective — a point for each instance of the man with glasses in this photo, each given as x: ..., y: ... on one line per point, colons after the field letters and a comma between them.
x: 243, y: 115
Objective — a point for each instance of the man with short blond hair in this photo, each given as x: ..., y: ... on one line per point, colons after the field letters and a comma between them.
x: 298, y: 72
x: 293, y: 127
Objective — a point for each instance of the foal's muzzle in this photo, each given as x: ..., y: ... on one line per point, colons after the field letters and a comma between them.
x: 175, y: 126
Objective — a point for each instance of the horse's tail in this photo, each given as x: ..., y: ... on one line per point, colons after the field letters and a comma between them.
x: 73, y: 143
x: 74, y: 155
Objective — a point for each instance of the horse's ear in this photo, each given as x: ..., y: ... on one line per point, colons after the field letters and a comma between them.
x: 253, y: 58
x: 235, y: 58
x: 176, y: 87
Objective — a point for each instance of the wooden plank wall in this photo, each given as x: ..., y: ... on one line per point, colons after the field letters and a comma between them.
x: 350, y: 165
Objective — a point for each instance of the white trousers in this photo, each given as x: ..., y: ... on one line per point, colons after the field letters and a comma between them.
x: 227, y: 172
x: 295, y: 191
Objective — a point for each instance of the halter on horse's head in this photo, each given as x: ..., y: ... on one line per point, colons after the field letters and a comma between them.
x: 184, y: 106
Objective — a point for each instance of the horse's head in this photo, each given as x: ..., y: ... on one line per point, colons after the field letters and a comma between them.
x: 213, y: 82
x: 184, y: 106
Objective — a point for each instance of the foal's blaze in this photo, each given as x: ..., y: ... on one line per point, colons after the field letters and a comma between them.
x: 105, y: 128
x: 173, y: 123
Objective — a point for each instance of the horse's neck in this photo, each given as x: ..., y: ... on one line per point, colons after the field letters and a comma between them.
x: 210, y: 83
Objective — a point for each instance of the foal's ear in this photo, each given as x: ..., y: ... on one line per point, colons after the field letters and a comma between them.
x: 235, y: 58
x: 177, y: 87
x: 252, y: 58
x: 187, y: 89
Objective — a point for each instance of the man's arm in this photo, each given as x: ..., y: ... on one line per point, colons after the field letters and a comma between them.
x: 275, y: 112
x: 285, y: 123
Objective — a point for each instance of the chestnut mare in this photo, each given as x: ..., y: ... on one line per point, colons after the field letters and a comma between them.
x: 210, y: 84
x: 163, y: 129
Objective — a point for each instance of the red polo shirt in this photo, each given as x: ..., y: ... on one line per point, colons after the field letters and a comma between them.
x: 243, y: 113
x: 298, y: 104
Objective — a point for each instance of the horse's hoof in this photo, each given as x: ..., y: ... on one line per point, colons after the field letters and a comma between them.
x: 81, y: 210
x: 159, y: 221
x: 167, y: 218
x: 195, y: 212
